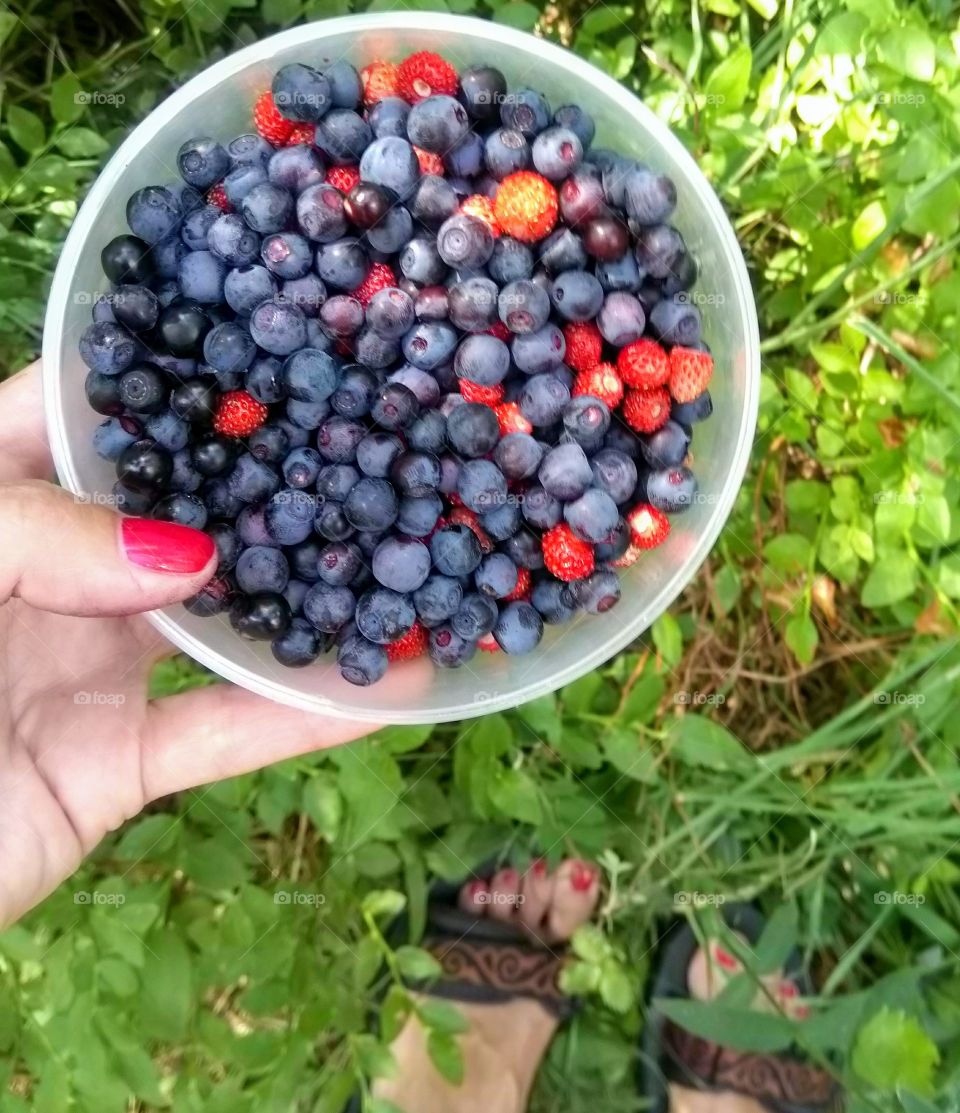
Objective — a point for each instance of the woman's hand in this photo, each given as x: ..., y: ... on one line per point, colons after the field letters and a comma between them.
x: 81, y: 747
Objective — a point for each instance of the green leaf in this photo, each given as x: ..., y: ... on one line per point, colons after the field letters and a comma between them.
x: 698, y: 741
x: 383, y: 902
x: 729, y: 81
x: 910, y: 51
x: 442, y: 1016
x: 589, y: 943
x: 629, y: 753
x: 616, y: 989
x: 667, y: 638
x: 446, y: 1056
x: 741, y: 1029
x: 892, y: 578
x: 842, y: 34
x: 644, y: 697
x: 726, y: 589
x: 374, y: 1058
x: 168, y: 998
x: 868, y: 225
x: 324, y: 806
x: 66, y: 99
x: 519, y: 14
x: 892, y: 1050
x: 26, y: 128
x: 800, y: 634
x: 417, y: 964
x: 765, y: 8
x: 788, y: 552
x: 515, y: 793
x: 150, y: 836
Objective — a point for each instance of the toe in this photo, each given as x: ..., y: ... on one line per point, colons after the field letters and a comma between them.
x: 710, y: 970
x: 536, y: 891
x: 474, y: 897
x: 504, y: 894
x: 576, y: 889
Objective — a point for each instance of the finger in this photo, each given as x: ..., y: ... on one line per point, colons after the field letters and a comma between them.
x: 24, y: 453
x: 221, y: 731
x: 77, y: 559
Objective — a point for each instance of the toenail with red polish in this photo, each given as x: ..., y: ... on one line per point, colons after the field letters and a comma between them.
x: 538, y: 867
x: 509, y: 877
x: 581, y: 877
x: 788, y: 990
x: 476, y: 887
x: 801, y: 1012
x: 724, y: 958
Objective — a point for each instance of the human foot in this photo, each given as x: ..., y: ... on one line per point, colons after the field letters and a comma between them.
x: 504, y: 959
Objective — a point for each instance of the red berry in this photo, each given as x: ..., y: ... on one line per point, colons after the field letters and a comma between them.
x: 217, y: 195
x: 425, y: 74
x: 629, y: 557
x: 379, y: 277
x: 487, y: 395
x: 584, y: 344
x: 690, y: 373
x: 480, y: 206
x: 602, y: 382
x: 648, y: 527
x: 511, y: 419
x: 643, y: 364
x: 526, y: 206
x: 565, y: 555
x: 463, y: 516
x: 301, y: 133
x: 379, y: 81
x: 412, y: 644
x: 646, y: 410
x: 488, y: 643
x: 268, y: 121
x: 343, y: 178
x: 429, y: 162
x: 522, y: 590
x: 239, y: 414
x: 499, y: 330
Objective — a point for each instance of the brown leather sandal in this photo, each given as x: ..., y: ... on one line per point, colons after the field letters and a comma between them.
x: 781, y: 1083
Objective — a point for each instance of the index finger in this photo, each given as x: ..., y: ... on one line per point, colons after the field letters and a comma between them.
x: 24, y: 452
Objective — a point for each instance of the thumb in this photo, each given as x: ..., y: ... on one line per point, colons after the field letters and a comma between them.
x: 72, y: 558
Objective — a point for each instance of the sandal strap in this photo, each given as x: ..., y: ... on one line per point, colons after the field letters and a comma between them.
x: 781, y: 1082
x: 492, y: 972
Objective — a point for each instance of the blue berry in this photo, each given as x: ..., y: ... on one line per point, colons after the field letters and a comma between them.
x: 331, y: 521
x: 506, y: 151
x: 416, y: 473
x: 465, y: 158
x: 338, y: 437
x: 621, y: 319
x: 464, y: 241
x: 372, y: 504
x: 390, y: 313
x: 437, y: 600
x: 320, y: 213
x: 666, y: 448
x: 473, y: 429
x: 455, y: 550
x: 536, y: 352
x: 307, y: 415
x: 300, y: 93
x: 428, y: 433
x: 511, y: 260
x: 383, y: 615
x: 374, y: 350
x: 586, y: 420
x: 524, y: 550
x: 614, y: 472
x: 526, y: 110
x: 262, y: 568
x: 519, y: 628
x: 295, y: 168
x: 327, y: 607
x: 448, y: 650
x: 482, y: 359
x: 153, y: 213
x: 232, y: 242
x: 394, y: 407
x: 278, y: 327
x: 298, y: 646
x: 518, y: 455
x: 289, y: 516
x: 376, y: 453
x: 481, y: 485
x: 593, y: 516
x: 245, y: 287
x: 472, y: 303
x: 524, y: 307
x: 392, y: 232
x: 429, y: 344
x: 422, y: 383
x: 433, y: 200
x: 389, y: 117
x: 229, y: 348
x: 241, y: 179
x: 576, y: 295
x: 598, y: 592
x: 496, y: 576
x: 346, y: 89
x: 556, y: 152
x: 503, y: 521
x: 419, y: 514
x: 563, y: 250
x: 167, y: 430
x: 619, y: 274
x: 261, y: 617
x: 115, y: 434
x: 202, y: 162
x: 335, y: 481
x: 420, y: 261
x: 476, y: 614
x: 249, y: 149
x: 201, y: 276
x: 676, y: 321
x: 361, y: 662
x: 343, y: 136
x: 648, y: 198
x: 391, y: 162
x: 339, y: 563
x: 401, y: 563
x: 251, y: 480
x: 577, y: 120
x: 107, y: 348
x: 294, y: 593
x: 543, y: 398
x: 565, y: 472
x: 286, y: 254
x: 659, y: 249
x: 553, y: 602
x: 672, y: 489
x: 689, y: 413
x: 355, y: 393
x: 267, y: 207
x: 342, y: 263
x: 311, y: 375
x: 143, y: 389
x: 197, y: 225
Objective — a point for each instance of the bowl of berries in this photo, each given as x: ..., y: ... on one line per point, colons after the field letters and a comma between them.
x: 439, y: 333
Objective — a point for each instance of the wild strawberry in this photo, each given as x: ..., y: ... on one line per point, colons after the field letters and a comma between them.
x: 268, y: 121
x: 487, y: 395
x: 301, y: 133
x: 565, y: 555
x: 500, y: 331
x: 646, y: 410
x: 478, y: 205
x: 511, y: 419
x: 690, y: 373
x: 584, y: 345
x: 429, y: 162
x: 463, y: 516
x: 379, y: 81
x: 217, y: 195
x: 239, y: 414
x: 526, y: 206
x: 412, y: 644
x: 488, y: 643
x: 343, y: 178
x: 522, y: 590
x: 643, y: 364
x: 425, y: 74
x: 379, y: 277
x: 648, y: 526
x: 629, y: 557
x: 602, y: 382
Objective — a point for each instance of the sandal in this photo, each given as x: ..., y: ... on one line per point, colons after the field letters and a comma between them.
x: 781, y: 1083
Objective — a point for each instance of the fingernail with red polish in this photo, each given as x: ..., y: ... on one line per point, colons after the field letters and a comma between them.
x: 724, y: 958
x: 582, y: 877
x: 165, y: 546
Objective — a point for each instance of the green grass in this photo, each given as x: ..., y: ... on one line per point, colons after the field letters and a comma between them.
x: 784, y: 736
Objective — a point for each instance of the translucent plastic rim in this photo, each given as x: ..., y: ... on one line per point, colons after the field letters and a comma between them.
x: 310, y: 35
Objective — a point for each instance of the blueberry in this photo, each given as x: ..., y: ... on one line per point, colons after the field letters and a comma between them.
x: 383, y: 615
x: 666, y: 448
x: 115, y: 434
x: 659, y: 249
x: 342, y: 135
x: 481, y: 485
x: 294, y: 593
x: 361, y: 662
x: 213, y: 598
x: 586, y: 419
x: 429, y: 344
x: 415, y: 473
x: 614, y: 472
x: 437, y: 600
x: 556, y: 152
x: 682, y: 275
x: 298, y: 646
x: 448, y: 650
x: 307, y: 415
x: 390, y: 234
x: 331, y: 522
x: 153, y: 213
x: 229, y: 347
x: 676, y: 321
x: 689, y: 413
x: 144, y: 466
x: 335, y: 481
x: 496, y: 576
x: 465, y: 241
x: 597, y: 592
x: 201, y: 276
x: 241, y: 180
x: 576, y: 295
x: 376, y: 453
x: 391, y: 162
x: 103, y: 393
x: 476, y: 614
x: 213, y: 455
x: 374, y: 350
x: 389, y: 117
x: 341, y: 316
x: 519, y: 628
x: 593, y: 516
x: 605, y: 238
x: 371, y: 504
x: 540, y: 508
x: 419, y: 514
x: 511, y: 260
x: 543, y: 398
x: 483, y: 88
x: 278, y: 328
x: 526, y: 110
x: 310, y: 375
x: 455, y: 550
x: 327, y: 607
x: 482, y: 359
x: 620, y: 274
x: 565, y: 472
x: 355, y: 394
x: 562, y: 250
x: 245, y: 287
x: 338, y: 563
x: 129, y: 501
x: 337, y: 439
x: 553, y: 602
x: 295, y: 168
x: 518, y: 455
x: 671, y: 490
x: 394, y: 407
x: 649, y: 198
x: 286, y: 254
x: 624, y: 440
x: 437, y: 123
x: 473, y: 429
x: 202, y: 162
x: 262, y: 568
x: 401, y: 563
x: 249, y: 149
x: 166, y: 256
x: 107, y: 348
x: 267, y: 207
x: 524, y: 549
x: 219, y: 499
x: 390, y: 313
x: 342, y: 263
x: 433, y: 200
x: 346, y: 89
x: 143, y: 389
x: 505, y: 151
x: 422, y: 383
x: 428, y: 433
x: 501, y: 522
x: 167, y: 430
x: 300, y: 93
x: 614, y: 171
x: 465, y: 158
x: 540, y: 351
x: 524, y: 307
x: 581, y: 198
x: 252, y: 480
x: 472, y: 304
x: 227, y: 544
x: 420, y: 261
x: 127, y: 259
x: 577, y: 120
x: 320, y: 213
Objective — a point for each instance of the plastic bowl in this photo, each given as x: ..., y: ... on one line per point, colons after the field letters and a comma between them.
x: 218, y: 102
